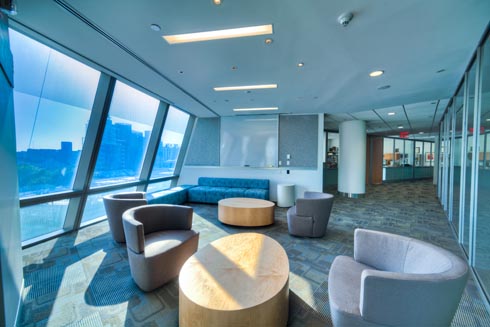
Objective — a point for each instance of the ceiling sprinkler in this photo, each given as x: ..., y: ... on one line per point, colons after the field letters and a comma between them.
x: 345, y: 18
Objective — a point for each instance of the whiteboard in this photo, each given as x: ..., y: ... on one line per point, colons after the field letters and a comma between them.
x: 249, y: 141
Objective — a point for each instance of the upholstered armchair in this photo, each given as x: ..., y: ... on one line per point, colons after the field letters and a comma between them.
x: 159, y: 240
x: 309, y: 217
x: 115, y: 205
x: 394, y: 280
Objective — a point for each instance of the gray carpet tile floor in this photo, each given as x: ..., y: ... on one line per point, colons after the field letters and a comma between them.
x: 83, y: 278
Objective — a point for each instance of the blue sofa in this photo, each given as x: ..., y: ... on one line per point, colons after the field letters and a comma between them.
x: 175, y: 195
x: 213, y: 189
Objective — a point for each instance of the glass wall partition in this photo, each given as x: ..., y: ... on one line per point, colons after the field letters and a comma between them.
x: 482, y: 240
x: 407, y: 159
x: 388, y: 154
x: 470, y: 102
x: 330, y: 167
x: 457, y: 151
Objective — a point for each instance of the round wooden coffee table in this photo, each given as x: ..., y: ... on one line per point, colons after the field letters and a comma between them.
x: 237, y: 280
x: 246, y: 212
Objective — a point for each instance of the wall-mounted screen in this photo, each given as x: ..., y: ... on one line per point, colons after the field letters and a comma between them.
x: 249, y: 141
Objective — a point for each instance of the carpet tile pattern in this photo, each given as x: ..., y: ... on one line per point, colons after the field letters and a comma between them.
x: 83, y: 278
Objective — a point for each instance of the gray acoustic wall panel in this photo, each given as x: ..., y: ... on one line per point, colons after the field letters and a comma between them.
x: 298, y: 138
x: 204, y: 145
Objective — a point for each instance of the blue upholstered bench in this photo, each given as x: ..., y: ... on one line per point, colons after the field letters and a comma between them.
x: 174, y: 195
x: 213, y: 189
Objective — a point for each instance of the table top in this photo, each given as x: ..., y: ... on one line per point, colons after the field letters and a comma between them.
x: 235, y: 272
x: 246, y: 203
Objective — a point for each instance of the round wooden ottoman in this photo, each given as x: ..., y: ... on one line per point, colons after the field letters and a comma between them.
x: 237, y: 280
x: 246, y: 212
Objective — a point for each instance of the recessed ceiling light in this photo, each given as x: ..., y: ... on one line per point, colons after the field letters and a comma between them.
x: 155, y: 27
x: 268, y: 40
x: 255, y: 109
x: 219, y: 34
x: 391, y: 114
x: 376, y: 73
x: 217, y: 2
x: 301, y: 64
x: 421, y: 132
x: 384, y: 87
x: 400, y: 127
x: 245, y: 87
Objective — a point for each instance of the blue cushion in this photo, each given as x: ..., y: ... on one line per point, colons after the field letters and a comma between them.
x: 257, y: 193
x: 235, y: 192
x: 214, y: 194
x: 197, y: 194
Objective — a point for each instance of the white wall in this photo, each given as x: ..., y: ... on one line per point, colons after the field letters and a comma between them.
x: 304, y: 179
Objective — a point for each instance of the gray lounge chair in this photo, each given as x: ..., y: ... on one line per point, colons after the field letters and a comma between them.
x: 309, y: 217
x: 395, y: 281
x: 115, y: 205
x: 159, y: 240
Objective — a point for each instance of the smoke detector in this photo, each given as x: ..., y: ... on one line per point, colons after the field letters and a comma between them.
x: 345, y: 18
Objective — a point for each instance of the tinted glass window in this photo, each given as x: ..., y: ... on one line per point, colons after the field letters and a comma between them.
x: 53, y: 98
x: 169, y: 147
x: 126, y: 135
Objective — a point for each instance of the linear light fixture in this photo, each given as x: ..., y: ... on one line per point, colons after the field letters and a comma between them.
x: 219, y: 34
x: 255, y: 109
x: 245, y: 87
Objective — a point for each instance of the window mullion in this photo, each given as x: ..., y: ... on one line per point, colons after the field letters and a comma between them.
x: 90, y: 149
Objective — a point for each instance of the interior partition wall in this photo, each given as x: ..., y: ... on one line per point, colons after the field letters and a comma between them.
x: 464, y: 189
x: 407, y: 159
x: 82, y: 134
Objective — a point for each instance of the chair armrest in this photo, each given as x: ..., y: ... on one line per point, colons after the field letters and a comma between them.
x: 389, y: 298
x: 380, y: 250
x: 134, y: 232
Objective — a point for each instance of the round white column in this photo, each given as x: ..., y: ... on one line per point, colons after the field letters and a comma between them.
x: 352, y: 159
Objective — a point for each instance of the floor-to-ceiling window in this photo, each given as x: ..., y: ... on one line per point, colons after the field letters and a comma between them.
x: 127, y: 132
x: 169, y: 147
x: 53, y: 98
x: 74, y: 146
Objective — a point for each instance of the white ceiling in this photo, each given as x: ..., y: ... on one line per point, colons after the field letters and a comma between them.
x: 410, y: 40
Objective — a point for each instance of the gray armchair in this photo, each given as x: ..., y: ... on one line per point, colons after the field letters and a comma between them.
x: 309, y: 217
x: 115, y: 205
x: 159, y: 240
x: 395, y: 281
